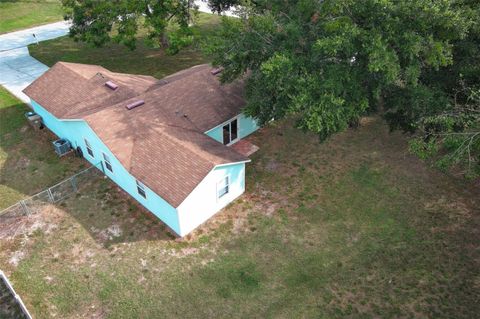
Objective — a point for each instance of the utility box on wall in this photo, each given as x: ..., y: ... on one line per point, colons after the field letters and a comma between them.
x: 34, y: 120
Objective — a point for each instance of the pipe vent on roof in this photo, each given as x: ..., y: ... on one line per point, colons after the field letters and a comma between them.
x: 135, y: 104
x: 111, y: 85
x: 216, y: 71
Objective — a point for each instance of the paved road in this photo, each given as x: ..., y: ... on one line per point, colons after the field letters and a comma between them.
x: 17, y: 68
x: 25, y: 37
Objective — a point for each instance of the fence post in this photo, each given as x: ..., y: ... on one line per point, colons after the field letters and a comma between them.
x: 25, y: 208
x: 74, y: 183
x: 50, y: 195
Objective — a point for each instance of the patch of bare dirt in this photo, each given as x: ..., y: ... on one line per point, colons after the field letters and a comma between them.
x: 46, y: 220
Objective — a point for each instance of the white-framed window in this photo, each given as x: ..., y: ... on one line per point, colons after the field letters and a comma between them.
x: 89, y: 148
x: 223, y: 186
x: 230, y: 132
x: 106, y: 161
x: 141, y: 189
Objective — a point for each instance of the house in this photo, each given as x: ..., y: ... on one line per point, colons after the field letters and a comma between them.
x: 165, y: 142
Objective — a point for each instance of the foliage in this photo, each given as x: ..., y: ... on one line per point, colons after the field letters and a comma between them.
x: 145, y: 59
x: 452, y: 138
x: 329, y: 62
x: 99, y: 22
x: 220, y: 6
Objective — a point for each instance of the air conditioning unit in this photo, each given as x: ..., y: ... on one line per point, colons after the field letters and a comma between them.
x: 34, y: 120
x: 62, y: 147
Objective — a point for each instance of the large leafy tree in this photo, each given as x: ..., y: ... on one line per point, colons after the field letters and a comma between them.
x: 328, y: 62
x: 220, y: 6
x: 452, y: 137
x: 99, y: 22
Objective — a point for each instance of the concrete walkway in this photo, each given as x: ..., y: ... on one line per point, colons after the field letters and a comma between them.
x: 17, y: 68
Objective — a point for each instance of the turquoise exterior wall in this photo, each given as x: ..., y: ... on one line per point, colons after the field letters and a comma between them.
x: 247, y: 126
x: 75, y: 131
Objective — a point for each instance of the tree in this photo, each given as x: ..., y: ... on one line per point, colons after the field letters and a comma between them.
x: 99, y: 22
x: 328, y: 62
x: 444, y: 109
x: 220, y: 6
x: 452, y: 138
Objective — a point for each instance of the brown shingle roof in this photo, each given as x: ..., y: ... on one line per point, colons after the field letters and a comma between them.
x: 161, y: 143
x: 71, y: 88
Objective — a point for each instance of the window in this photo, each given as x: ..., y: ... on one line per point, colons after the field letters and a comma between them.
x: 141, y: 189
x: 106, y: 160
x: 230, y: 132
x: 223, y: 187
x: 89, y: 148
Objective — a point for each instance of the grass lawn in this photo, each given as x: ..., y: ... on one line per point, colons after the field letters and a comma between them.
x: 22, y: 14
x: 27, y: 163
x: 352, y: 227
x: 144, y: 60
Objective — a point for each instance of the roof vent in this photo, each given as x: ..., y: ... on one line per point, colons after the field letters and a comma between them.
x: 111, y: 85
x: 216, y: 71
x: 135, y: 104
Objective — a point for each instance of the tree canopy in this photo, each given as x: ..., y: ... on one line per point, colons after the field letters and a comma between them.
x: 99, y: 22
x: 329, y: 62
x: 219, y: 6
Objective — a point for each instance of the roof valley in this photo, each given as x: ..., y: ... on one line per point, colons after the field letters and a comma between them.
x: 161, y: 142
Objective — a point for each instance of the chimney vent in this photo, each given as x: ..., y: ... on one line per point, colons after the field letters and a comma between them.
x: 135, y: 104
x: 111, y: 85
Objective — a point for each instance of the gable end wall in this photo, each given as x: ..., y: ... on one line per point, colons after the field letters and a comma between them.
x: 203, y: 203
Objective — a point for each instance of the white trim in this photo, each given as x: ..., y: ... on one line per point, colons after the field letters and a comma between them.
x: 88, y: 146
x: 224, y: 195
x: 141, y: 186
x: 107, y: 161
x: 223, y: 124
x: 204, y: 178
x: 232, y: 163
x: 67, y: 120
x: 230, y: 131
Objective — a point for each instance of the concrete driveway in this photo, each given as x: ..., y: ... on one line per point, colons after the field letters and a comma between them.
x: 17, y: 68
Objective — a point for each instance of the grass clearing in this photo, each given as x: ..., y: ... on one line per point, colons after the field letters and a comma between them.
x: 27, y: 163
x: 144, y: 60
x: 21, y: 14
x: 352, y: 227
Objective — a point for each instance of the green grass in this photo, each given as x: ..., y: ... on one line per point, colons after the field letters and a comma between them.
x: 27, y: 163
x: 358, y: 229
x: 144, y: 60
x: 19, y: 14
x: 353, y: 227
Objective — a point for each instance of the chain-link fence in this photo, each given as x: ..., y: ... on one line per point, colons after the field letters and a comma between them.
x: 54, y: 194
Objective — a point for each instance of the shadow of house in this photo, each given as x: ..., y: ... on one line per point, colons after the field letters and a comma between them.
x: 28, y: 165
